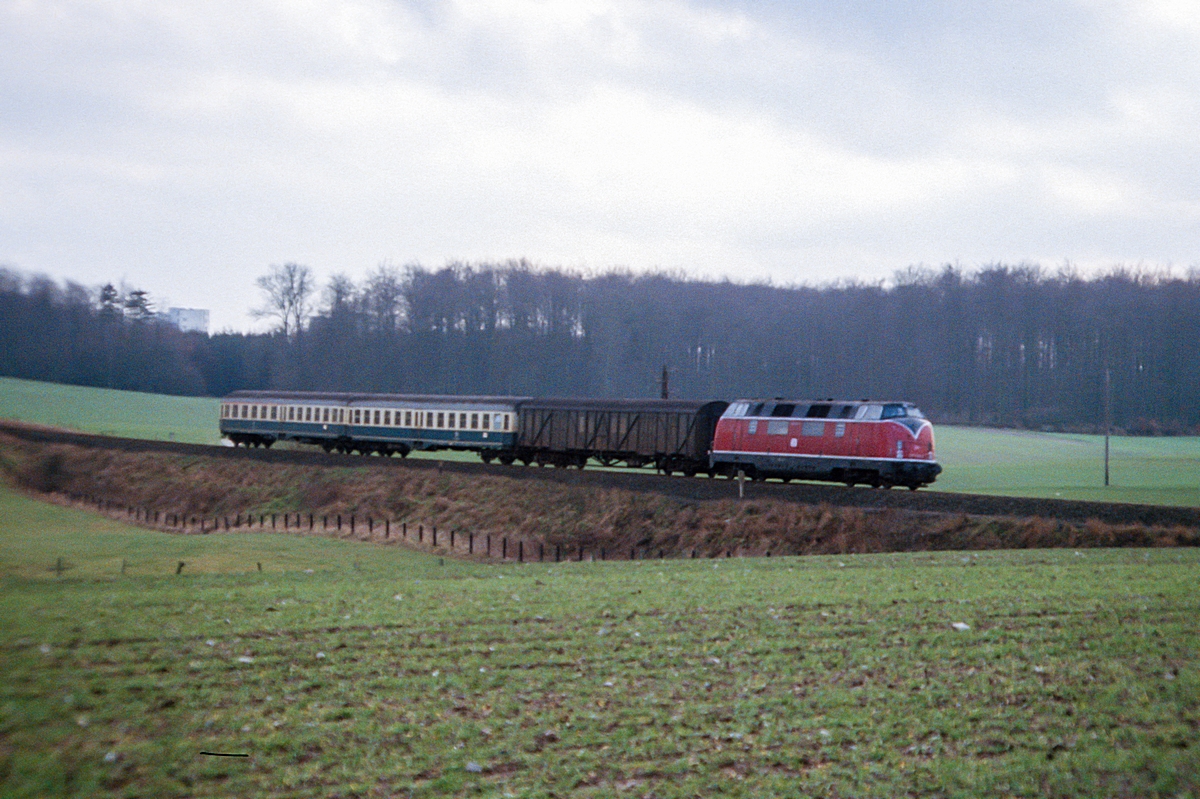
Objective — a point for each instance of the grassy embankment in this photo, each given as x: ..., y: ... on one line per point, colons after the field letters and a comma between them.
x: 363, y: 670
x: 1161, y: 471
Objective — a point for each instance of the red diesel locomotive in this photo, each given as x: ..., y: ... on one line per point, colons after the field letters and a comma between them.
x: 881, y: 444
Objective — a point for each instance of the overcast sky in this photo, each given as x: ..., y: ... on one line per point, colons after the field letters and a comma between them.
x: 184, y: 147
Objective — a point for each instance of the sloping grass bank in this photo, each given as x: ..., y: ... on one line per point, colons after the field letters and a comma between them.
x: 615, y: 522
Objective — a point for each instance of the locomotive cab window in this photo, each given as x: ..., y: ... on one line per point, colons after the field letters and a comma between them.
x: 893, y: 410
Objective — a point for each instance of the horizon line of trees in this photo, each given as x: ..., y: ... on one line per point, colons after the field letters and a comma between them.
x: 1001, y: 345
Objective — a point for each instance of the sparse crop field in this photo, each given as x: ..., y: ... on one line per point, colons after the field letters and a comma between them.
x: 357, y: 670
x: 1160, y: 471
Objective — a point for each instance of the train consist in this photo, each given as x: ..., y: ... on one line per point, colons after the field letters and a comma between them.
x: 873, y: 443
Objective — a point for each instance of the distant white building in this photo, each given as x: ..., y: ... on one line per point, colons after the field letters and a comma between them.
x: 189, y: 320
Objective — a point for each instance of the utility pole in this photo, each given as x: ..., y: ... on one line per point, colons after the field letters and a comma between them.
x: 1107, y: 419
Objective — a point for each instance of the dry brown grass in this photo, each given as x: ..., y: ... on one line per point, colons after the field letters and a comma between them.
x: 539, y: 512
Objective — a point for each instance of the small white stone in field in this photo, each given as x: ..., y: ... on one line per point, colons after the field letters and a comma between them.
x: 346, y: 616
x: 44, y: 649
x: 1039, y: 670
x: 491, y: 649
x: 602, y: 631
x: 398, y: 597
x: 1169, y: 676
x: 736, y: 736
x: 244, y: 659
x: 308, y: 571
x: 436, y: 672
x: 111, y: 757
x: 608, y: 684
x: 211, y: 642
x: 482, y: 669
x: 823, y: 733
x: 474, y: 768
x: 637, y: 635
x: 715, y: 661
x: 276, y: 724
x: 320, y: 655
x: 82, y: 721
x: 962, y: 627
x: 246, y: 728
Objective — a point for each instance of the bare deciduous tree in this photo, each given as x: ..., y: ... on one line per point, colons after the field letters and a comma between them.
x: 287, y: 291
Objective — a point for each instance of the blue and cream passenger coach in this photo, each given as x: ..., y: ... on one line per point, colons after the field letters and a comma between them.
x: 382, y: 423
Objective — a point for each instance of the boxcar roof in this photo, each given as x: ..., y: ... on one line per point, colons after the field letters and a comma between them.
x: 626, y: 405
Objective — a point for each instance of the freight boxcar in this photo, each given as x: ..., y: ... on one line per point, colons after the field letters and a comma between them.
x: 671, y: 435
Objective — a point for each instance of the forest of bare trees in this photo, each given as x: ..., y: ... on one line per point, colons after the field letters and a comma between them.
x: 999, y: 345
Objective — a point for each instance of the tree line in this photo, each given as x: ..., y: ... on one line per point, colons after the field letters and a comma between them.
x: 1001, y: 345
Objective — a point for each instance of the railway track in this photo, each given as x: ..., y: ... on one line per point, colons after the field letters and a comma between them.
x: 684, y: 488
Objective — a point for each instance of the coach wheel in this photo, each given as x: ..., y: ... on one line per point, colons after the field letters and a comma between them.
x: 486, y: 457
x: 327, y: 447
x: 507, y: 460
x: 404, y: 450
x: 913, y: 486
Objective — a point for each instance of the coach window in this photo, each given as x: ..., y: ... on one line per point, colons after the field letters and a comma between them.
x: 441, y: 420
x: 506, y: 421
x: 487, y: 417
x: 377, y: 415
x: 474, y: 421
x: 408, y: 418
x: 462, y: 420
x: 450, y: 419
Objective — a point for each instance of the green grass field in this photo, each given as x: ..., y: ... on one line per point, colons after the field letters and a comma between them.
x: 110, y: 412
x: 349, y: 669
x: 1162, y: 471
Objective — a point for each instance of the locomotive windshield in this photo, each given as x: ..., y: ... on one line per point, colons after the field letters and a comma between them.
x: 896, y: 410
